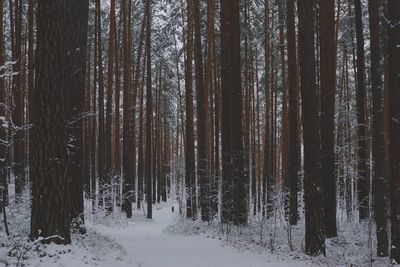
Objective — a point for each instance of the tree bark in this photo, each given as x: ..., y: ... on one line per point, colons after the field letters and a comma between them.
x: 50, y: 209
x: 363, y: 181
x: 328, y: 91
x: 149, y: 115
x: 234, y: 186
x: 315, y: 239
x: 393, y: 18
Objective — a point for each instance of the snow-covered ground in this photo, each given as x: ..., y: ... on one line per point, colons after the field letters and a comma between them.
x: 148, y: 244
x: 170, y: 241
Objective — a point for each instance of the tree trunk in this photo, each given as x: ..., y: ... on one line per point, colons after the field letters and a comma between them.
x: 128, y: 158
x: 363, y: 181
x: 294, y: 146
x: 393, y: 20
x: 234, y: 186
x: 315, y: 239
x: 189, y: 147
x: 50, y: 209
x: 149, y: 115
x: 328, y: 91
x: 78, y: 12
x: 201, y: 119
x: 378, y: 151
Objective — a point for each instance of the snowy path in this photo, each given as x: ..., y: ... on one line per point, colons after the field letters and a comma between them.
x: 146, y: 245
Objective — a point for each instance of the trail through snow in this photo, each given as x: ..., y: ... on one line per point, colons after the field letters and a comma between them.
x: 147, y: 245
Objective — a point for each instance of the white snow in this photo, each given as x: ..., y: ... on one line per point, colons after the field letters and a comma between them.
x: 148, y: 245
x: 171, y: 241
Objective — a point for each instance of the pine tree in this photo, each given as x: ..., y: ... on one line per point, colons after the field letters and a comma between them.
x: 328, y: 90
x: 315, y: 238
x: 393, y: 22
x: 201, y: 119
x: 128, y: 161
x: 50, y: 203
x: 363, y: 181
x: 149, y: 115
x: 189, y: 144
x: 78, y: 12
x: 294, y: 146
x: 378, y: 151
x: 234, y: 186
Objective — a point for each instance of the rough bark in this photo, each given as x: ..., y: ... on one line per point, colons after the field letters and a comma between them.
x: 315, y: 238
x: 50, y: 205
x: 234, y: 186
x: 363, y: 181
x: 393, y: 18
x: 328, y: 91
x: 149, y: 115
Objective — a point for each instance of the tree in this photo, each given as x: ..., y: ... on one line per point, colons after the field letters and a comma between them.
x: 315, y: 239
x: 328, y: 90
x: 3, y: 119
x: 18, y: 102
x: 267, y: 171
x: 77, y: 12
x: 378, y: 150
x: 234, y: 187
x: 393, y: 22
x: 294, y: 146
x: 189, y: 144
x: 129, y: 157
x: 201, y: 119
x: 363, y: 184
x: 50, y: 205
x: 101, y: 140
x: 149, y: 115
x: 110, y: 81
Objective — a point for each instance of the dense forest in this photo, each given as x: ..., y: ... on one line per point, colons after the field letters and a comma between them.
x: 233, y: 113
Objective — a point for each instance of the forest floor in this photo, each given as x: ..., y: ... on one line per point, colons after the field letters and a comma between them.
x: 170, y: 241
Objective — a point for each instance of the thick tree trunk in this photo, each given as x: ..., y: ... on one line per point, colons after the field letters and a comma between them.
x: 315, y: 238
x: 78, y: 12
x: 50, y: 209
x: 380, y: 189
x: 234, y: 186
x: 328, y: 90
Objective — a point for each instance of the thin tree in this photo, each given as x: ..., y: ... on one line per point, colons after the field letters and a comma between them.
x: 149, y: 115
x: 363, y: 184
x: 201, y: 119
x: 294, y: 147
x: 101, y: 137
x: 110, y: 82
x: 189, y: 144
x: 393, y: 22
x: 315, y: 239
x: 3, y: 119
x: 128, y: 143
x: 267, y: 171
x: 18, y: 103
